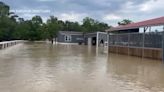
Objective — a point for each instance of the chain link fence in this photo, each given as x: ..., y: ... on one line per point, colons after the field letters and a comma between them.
x: 147, y: 40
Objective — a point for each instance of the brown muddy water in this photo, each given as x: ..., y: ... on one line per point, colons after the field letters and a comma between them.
x: 41, y: 67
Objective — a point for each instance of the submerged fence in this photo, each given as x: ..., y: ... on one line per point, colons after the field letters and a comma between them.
x: 147, y: 40
x: 147, y: 44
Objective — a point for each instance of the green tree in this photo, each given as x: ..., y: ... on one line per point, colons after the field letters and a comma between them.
x: 72, y: 26
x: 22, y: 30
x: 91, y: 25
x: 7, y: 22
x: 125, y: 22
x: 53, y: 26
x: 35, y: 32
x: 44, y: 31
x: 13, y: 27
x: 4, y: 9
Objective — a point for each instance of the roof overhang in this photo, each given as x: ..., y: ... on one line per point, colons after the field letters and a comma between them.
x: 147, y: 23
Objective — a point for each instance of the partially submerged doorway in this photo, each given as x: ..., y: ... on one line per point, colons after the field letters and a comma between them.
x: 94, y: 40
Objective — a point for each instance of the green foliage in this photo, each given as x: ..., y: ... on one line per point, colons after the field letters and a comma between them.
x: 125, y: 22
x: 53, y: 26
x: 91, y: 25
x: 12, y: 27
x: 22, y: 30
x: 72, y: 26
x: 7, y: 23
x: 4, y: 9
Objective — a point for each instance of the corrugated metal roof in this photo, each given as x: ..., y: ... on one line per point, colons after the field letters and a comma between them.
x: 151, y: 22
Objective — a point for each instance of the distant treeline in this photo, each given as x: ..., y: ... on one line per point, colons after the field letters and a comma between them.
x: 12, y: 27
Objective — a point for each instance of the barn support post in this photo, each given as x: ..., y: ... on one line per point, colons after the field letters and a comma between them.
x: 97, y: 43
x: 117, y: 39
x: 143, y: 41
x: 97, y: 39
x: 163, y: 45
x: 107, y: 42
x: 128, y: 43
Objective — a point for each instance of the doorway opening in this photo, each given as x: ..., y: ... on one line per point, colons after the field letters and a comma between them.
x: 94, y: 41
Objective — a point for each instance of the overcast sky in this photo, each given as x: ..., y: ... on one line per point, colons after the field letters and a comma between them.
x: 109, y: 11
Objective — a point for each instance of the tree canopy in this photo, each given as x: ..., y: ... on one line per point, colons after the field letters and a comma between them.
x: 125, y: 22
x: 13, y: 27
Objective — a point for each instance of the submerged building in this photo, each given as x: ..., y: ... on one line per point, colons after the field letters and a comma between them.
x: 95, y: 38
x: 142, y: 39
x: 72, y: 37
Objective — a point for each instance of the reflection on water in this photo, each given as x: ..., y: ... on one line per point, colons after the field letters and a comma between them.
x: 40, y: 67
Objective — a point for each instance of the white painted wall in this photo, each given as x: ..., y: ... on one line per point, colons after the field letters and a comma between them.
x: 89, y: 41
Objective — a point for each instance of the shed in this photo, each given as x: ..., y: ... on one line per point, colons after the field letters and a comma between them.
x: 96, y: 38
x: 70, y: 37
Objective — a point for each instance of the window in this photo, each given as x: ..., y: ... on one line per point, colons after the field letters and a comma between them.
x: 67, y: 38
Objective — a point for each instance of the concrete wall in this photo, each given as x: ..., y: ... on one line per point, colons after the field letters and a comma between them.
x: 7, y: 44
x: 153, y: 53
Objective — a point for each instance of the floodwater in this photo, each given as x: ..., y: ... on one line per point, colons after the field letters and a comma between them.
x: 41, y: 67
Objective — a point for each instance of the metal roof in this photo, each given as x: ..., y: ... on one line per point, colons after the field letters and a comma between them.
x: 151, y: 22
x: 70, y: 33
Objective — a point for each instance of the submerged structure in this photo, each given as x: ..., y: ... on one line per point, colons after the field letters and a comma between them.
x: 95, y: 38
x: 72, y: 37
x: 142, y: 39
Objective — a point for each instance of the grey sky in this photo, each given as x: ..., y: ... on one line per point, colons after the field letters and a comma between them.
x: 109, y: 11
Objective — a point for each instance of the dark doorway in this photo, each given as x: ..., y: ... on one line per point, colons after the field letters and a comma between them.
x: 102, y: 41
x: 93, y: 41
